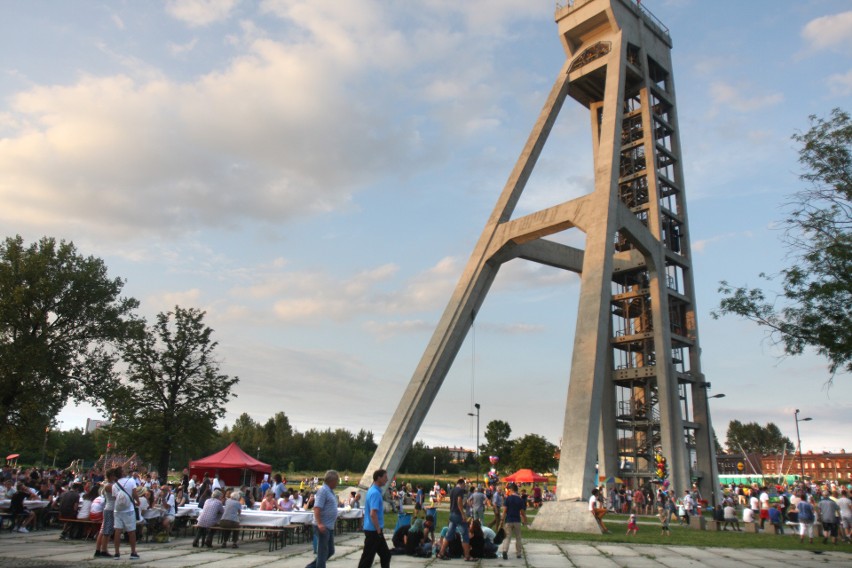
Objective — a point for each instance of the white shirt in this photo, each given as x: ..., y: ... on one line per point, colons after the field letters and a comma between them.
x: 129, y: 485
x: 748, y: 516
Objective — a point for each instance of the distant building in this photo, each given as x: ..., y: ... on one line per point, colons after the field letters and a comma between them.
x: 739, y: 464
x: 826, y: 466
x: 458, y: 455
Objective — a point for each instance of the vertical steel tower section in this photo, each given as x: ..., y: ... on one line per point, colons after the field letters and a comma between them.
x: 635, y: 371
x: 620, y: 69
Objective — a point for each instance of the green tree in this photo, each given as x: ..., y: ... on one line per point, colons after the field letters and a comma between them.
x: 174, y: 391
x: 497, y: 442
x: 816, y: 291
x: 534, y: 452
x: 751, y: 437
x: 60, y: 317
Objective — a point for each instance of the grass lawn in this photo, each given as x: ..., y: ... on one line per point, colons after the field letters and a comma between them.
x: 649, y: 533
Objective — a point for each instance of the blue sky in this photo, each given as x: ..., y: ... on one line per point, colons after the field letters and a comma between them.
x: 314, y: 175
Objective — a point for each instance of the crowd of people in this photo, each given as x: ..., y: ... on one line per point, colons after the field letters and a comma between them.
x: 800, y: 507
x: 123, y: 502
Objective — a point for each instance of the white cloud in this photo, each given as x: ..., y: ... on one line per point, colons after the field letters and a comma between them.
x: 178, y: 49
x: 291, y: 126
x: 742, y: 98
x: 829, y: 32
x: 701, y: 245
x: 197, y: 13
x: 166, y: 301
x: 840, y: 84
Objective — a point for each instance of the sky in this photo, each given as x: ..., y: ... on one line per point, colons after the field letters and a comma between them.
x: 314, y: 175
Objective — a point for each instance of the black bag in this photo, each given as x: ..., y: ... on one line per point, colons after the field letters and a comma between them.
x: 137, y: 513
x: 501, y: 534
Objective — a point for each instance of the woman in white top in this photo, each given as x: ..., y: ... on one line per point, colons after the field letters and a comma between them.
x: 85, y: 508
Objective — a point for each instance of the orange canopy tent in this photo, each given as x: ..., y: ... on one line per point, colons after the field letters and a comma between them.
x: 525, y: 476
x: 234, y: 466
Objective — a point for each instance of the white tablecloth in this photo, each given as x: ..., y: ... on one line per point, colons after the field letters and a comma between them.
x: 264, y: 518
x: 188, y: 511
x: 350, y: 513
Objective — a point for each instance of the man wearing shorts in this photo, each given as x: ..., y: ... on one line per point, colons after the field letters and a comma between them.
x: 125, y: 516
x: 829, y: 513
x: 806, y: 518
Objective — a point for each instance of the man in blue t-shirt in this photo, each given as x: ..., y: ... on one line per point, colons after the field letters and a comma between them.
x: 325, y: 519
x: 374, y: 524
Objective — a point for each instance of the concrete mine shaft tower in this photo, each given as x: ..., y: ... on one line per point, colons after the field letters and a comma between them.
x: 636, y: 387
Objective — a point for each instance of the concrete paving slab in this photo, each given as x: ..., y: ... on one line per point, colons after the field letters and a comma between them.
x: 578, y: 549
x: 616, y: 549
x: 549, y: 561
x: 586, y: 561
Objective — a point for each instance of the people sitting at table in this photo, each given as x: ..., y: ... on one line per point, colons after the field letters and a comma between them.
x: 85, y: 509
x: 287, y: 503
x: 146, y: 509
x: 180, y: 496
x: 18, y: 511
x: 269, y: 503
x: 246, y: 498
x: 209, y: 517
x: 96, y: 514
x: 230, y: 521
x: 168, y: 506
x: 69, y: 502
x: 203, y: 496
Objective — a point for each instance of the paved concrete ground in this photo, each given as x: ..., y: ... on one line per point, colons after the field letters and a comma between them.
x: 43, y: 549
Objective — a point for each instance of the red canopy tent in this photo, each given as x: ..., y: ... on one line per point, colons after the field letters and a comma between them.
x: 234, y: 466
x: 525, y: 476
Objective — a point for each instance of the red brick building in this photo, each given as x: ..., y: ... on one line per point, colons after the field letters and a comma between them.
x: 819, y: 467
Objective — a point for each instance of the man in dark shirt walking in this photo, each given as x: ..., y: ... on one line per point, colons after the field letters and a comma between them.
x: 457, y: 519
x: 514, y: 512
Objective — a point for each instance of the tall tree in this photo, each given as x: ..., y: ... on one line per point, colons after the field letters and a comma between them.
x: 497, y: 442
x: 816, y: 290
x: 174, y: 391
x: 534, y: 452
x: 60, y: 317
x: 751, y: 437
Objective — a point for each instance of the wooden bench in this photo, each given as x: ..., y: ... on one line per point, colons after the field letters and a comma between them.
x: 88, y: 529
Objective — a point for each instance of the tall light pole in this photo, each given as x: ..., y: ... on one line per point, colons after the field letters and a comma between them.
x: 711, y: 443
x: 434, y: 464
x: 44, y: 446
x: 477, y: 439
x: 799, y: 441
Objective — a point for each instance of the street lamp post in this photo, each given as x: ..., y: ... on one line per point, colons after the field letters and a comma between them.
x: 477, y: 439
x: 434, y: 463
x: 44, y: 446
x: 712, y: 471
x: 799, y: 441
